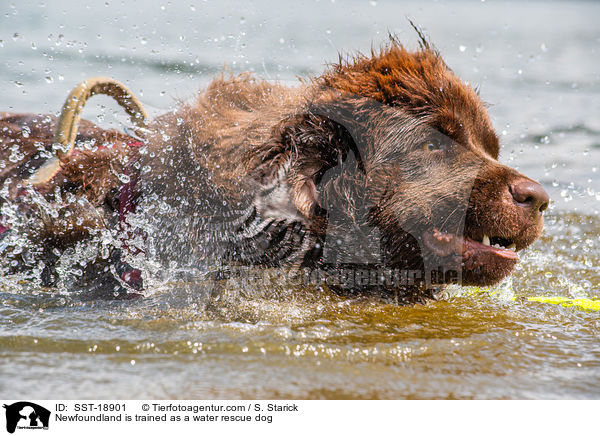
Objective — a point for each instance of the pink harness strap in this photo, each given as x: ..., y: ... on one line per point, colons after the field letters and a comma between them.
x: 128, y: 191
x: 127, y: 196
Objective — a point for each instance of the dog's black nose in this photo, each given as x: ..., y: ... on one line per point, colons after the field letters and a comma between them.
x: 530, y: 194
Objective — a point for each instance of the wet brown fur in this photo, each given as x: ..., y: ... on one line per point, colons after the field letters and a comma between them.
x: 247, y: 133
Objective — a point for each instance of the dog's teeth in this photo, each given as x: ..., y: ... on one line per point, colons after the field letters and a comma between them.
x: 486, y: 240
x: 512, y: 247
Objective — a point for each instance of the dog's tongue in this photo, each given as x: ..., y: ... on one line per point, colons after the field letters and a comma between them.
x: 507, y: 254
x: 471, y: 246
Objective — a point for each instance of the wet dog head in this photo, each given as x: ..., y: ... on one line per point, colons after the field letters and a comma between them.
x: 397, y: 151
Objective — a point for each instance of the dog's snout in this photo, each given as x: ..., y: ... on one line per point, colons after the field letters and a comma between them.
x: 530, y: 194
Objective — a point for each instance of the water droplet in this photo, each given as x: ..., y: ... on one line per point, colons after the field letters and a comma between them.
x: 49, y: 79
x: 566, y: 195
x: 281, y: 40
x: 16, y: 155
x: 124, y: 178
x: 462, y: 48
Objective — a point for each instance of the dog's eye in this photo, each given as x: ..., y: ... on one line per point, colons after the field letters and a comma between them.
x: 435, y: 145
x: 431, y: 146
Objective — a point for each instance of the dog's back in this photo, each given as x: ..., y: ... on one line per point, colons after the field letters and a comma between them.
x: 221, y: 128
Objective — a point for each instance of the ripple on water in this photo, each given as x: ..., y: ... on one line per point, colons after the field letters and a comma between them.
x: 311, y: 343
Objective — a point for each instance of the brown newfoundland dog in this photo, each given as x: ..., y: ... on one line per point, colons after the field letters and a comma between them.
x: 381, y: 174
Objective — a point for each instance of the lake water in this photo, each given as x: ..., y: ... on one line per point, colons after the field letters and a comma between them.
x: 537, y: 64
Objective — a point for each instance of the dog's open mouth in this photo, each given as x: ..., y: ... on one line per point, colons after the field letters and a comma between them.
x: 502, y: 247
x: 445, y: 244
x: 484, y: 260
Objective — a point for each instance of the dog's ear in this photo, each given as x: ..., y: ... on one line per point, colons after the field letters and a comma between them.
x: 301, y: 149
x: 304, y: 193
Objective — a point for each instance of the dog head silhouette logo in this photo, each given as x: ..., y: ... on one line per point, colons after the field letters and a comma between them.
x: 24, y: 414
